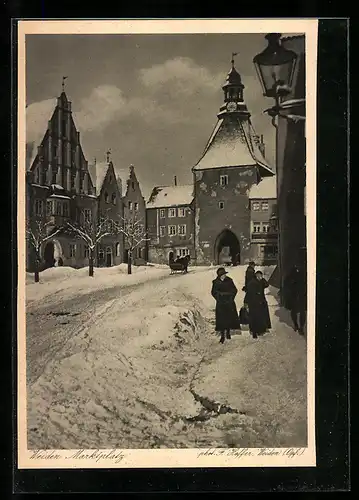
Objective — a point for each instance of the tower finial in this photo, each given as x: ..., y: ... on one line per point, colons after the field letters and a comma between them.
x: 63, y: 83
x: 108, y: 155
x: 232, y: 61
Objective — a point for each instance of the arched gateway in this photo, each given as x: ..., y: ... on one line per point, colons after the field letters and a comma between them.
x: 227, y: 248
x: 53, y: 254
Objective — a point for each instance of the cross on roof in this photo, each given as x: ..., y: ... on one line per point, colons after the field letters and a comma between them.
x: 108, y: 155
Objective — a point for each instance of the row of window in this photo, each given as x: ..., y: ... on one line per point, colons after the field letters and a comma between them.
x: 181, y: 230
x: 133, y: 206
x: 113, y: 198
x: 173, y: 212
x: 256, y: 206
x: 41, y: 178
x: 269, y: 251
x: 262, y: 227
x: 86, y: 252
x: 53, y: 207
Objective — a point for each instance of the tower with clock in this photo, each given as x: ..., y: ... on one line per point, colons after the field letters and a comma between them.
x: 232, y: 162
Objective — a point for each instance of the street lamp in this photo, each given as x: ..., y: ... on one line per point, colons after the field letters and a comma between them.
x: 275, y: 67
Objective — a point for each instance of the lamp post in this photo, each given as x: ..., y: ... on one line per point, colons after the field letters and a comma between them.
x: 275, y: 67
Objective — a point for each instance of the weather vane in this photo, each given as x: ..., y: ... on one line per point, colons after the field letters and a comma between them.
x: 232, y: 61
x: 108, y: 155
x: 63, y: 83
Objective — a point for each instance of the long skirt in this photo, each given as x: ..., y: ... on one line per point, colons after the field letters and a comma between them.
x: 259, y: 319
x: 227, y: 317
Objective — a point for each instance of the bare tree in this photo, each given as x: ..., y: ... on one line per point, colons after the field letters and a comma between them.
x: 134, y: 232
x: 91, y: 231
x: 37, y: 232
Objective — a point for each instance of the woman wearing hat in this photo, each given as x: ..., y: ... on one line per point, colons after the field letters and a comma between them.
x: 259, y: 319
x: 224, y: 292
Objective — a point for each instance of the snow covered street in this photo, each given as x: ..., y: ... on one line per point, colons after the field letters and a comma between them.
x: 120, y: 361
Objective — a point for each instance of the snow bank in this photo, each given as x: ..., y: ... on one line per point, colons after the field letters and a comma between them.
x: 97, y: 393
x: 68, y: 282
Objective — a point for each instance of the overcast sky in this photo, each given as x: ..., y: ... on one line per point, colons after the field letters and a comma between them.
x: 151, y: 99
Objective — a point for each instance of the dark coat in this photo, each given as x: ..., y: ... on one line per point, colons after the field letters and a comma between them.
x: 250, y: 275
x: 224, y: 293
x: 295, y: 289
x: 259, y: 319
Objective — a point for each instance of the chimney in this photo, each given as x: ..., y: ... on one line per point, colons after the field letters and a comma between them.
x: 262, y: 147
x: 175, y: 180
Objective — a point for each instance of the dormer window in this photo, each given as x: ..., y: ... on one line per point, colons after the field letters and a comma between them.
x: 130, y: 205
x: 223, y: 180
x: 113, y: 199
x: 107, y: 199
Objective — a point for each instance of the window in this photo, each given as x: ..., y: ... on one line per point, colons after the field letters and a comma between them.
x: 101, y: 254
x: 72, y: 250
x: 135, y: 206
x: 182, y: 252
x: 182, y: 229
x: 113, y: 199
x: 58, y: 208
x: 118, y: 250
x: 87, y: 214
x: 133, y: 185
x: 265, y: 206
x: 55, y: 151
x: 171, y: 212
x: 65, y: 210
x: 86, y: 252
x: 130, y: 205
x: 107, y: 199
x: 265, y: 227
x: 221, y: 205
x: 162, y: 213
x: 269, y: 251
x: 223, y: 180
x: 255, y: 205
x: 39, y: 207
x: 162, y: 230
x: 172, y: 230
x: 256, y: 227
x: 181, y: 212
x: 48, y: 207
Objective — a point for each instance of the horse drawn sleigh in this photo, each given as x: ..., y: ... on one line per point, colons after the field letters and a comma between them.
x: 179, y: 265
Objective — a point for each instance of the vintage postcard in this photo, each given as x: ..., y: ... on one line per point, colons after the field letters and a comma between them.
x: 167, y: 243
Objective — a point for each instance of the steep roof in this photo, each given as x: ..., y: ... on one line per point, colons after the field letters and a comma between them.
x: 38, y: 115
x: 266, y: 189
x: 233, y: 144
x: 170, y: 196
x: 98, y: 173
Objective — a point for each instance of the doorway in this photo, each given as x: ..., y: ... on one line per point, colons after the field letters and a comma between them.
x: 49, y: 255
x: 227, y: 249
x: 108, y: 257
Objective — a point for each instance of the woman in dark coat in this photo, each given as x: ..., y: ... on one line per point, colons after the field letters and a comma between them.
x: 259, y: 319
x: 224, y: 292
x: 250, y: 275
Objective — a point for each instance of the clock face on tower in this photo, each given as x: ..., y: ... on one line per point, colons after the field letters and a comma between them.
x: 231, y: 106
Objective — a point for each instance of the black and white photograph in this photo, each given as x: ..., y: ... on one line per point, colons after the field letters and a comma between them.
x: 166, y: 308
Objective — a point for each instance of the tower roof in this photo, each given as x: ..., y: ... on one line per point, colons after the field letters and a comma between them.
x: 233, y: 143
x: 233, y: 78
x: 170, y: 196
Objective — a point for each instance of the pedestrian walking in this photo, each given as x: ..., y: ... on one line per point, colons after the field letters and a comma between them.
x: 295, y: 286
x: 250, y: 274
x: 224, y: 292
x: 258, y: 311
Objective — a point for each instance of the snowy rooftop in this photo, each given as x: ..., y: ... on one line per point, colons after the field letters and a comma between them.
x: 265, y: 189
x: 170, y: 196
x: 98, y: 172
x: 232, y: 144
